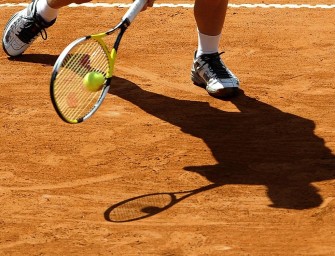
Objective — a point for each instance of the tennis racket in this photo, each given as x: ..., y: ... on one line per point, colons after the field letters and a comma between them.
x: 82, y: 74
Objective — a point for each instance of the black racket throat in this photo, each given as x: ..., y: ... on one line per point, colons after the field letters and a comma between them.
x: 123, y: 25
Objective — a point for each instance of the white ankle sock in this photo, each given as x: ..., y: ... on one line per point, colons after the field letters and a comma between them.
x: 47, y: 13
x: 207, y: 44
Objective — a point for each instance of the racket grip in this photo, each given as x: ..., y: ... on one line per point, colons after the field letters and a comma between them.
x: 134, y: 9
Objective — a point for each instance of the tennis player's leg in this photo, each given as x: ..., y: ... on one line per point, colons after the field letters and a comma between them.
x: 26, y: 25
x: 208, y: 70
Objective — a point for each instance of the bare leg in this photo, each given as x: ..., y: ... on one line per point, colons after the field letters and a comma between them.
x: 56, y: 4
x: 210, y: 16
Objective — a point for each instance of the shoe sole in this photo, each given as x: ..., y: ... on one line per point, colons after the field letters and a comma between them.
x: 226, y: 92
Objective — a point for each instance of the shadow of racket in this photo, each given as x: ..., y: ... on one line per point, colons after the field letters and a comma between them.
x: 148, y: 205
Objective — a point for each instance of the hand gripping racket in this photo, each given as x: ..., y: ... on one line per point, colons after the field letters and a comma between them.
x: 82, y: 74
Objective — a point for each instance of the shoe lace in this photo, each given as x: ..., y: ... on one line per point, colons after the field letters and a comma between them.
x: 216, y: 66
x: 31, y: 29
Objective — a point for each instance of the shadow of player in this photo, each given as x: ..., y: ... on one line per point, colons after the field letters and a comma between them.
x: 259, y: 145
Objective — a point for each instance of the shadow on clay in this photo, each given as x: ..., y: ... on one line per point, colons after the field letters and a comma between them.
x: 259, y: 145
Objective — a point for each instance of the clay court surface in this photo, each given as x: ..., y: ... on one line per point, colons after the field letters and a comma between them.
x: 163, y: 168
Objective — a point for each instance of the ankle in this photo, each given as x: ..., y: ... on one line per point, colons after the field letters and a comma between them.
x: 45, y: 11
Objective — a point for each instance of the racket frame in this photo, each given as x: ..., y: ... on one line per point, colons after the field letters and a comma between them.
x: 111, y: 56
x: 126, y: 20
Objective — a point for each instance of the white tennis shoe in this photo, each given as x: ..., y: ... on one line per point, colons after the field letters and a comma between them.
x: 22, y: 29
x: 209, y: 71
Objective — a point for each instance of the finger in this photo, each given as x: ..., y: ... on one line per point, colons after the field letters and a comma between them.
x: 145, y: 7
x: 150, y: 3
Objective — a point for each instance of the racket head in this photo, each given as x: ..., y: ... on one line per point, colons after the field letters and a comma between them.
x: 72, y: 99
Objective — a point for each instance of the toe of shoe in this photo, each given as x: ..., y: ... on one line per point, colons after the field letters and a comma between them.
x: 222, y: 89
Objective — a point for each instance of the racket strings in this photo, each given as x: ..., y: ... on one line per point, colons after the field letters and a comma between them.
x: 72, y: 98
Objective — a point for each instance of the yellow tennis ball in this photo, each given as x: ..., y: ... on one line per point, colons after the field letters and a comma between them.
x: 93, y: 81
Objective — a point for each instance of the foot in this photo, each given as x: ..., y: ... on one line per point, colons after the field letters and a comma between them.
x: 22, y: 29
x: 209, y: 72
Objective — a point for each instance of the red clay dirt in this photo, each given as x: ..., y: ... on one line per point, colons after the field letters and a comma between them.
x: 163, y: 168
